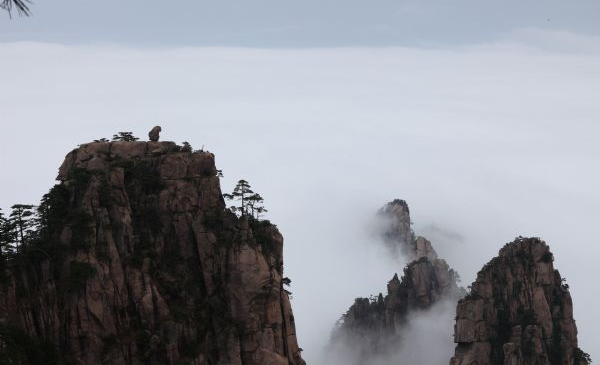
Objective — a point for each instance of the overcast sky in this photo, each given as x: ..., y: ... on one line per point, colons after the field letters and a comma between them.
x: 307, y: 23
x: 483, y: 117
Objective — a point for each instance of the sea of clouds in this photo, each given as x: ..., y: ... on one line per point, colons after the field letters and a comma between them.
x: 485, y: 143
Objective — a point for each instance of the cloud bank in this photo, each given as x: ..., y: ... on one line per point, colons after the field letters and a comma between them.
x: 489, y: 142
x: 425, y: 339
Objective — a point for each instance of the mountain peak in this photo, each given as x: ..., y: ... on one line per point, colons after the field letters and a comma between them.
x: 519, y: 311
x: 138, y: 261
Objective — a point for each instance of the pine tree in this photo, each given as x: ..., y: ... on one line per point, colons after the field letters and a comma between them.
x: 241, y: 192
x: 124, y: 137
x: 187, y: 147
x: 250, y: 202
x: 260, y: 211
x: 20, y: 224
x: 255, y: 205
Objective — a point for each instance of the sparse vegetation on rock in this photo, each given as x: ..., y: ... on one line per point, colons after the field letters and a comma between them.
x: 133, y: 258
x: 124, y: 137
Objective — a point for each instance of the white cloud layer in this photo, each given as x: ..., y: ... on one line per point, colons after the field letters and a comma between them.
x: 485, y: 143
x: 423, y: 340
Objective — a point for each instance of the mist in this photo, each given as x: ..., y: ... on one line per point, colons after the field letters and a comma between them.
x: 485, y: 143
x: 425, y: 336
x: 425, y: 339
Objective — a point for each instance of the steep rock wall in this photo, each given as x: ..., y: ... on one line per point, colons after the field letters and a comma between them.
x: 519, y: 311
x: 139, y: 262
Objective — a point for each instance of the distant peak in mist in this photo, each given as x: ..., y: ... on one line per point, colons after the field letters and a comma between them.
x: 374, y: 327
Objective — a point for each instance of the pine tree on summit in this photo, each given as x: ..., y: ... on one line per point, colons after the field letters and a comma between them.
x: 124, y: 137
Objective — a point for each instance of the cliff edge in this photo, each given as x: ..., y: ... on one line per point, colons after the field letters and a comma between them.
x: 138, y: 261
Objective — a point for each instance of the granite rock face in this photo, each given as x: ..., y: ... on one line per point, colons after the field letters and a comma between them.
x: 519, y: 312
x: 141, y: 263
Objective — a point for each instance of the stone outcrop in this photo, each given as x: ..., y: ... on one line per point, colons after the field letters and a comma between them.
x: 139, y: 262
x: 154, y: 134
x: 519, y: 312
x: 397, y: 233
x: 399, y: 236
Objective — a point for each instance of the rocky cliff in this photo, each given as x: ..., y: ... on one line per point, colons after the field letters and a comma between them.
x: 519, y: 311
x: 373, y: 325
x: 138, y: 261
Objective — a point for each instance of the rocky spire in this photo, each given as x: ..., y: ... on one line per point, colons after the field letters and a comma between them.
x: 372, y: 326
x: 398, y: 234
x: 397, y: 231
x: 139, y: 262
x: 519, y: 311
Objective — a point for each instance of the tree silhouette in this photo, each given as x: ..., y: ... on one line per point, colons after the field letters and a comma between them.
x: 124, y: 137
x: 260, y: 211
x: 250, y: 202
x: 20, y: 224
x: 19, y: 5
x: 254, y: 203
x: 241, y: 192
x: 187, y: 147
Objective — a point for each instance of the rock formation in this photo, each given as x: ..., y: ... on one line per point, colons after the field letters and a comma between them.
x: 374, y: 324
x: 154, y: 134
x: 519, y: 311
x: 139, y: 262
x: 398, y: 235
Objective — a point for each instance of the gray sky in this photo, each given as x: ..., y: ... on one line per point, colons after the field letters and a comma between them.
x: 308, y: 23
x: 483, y: 117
